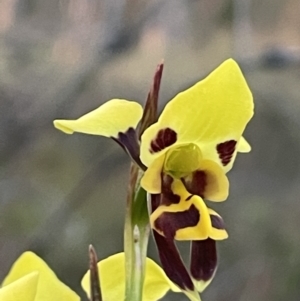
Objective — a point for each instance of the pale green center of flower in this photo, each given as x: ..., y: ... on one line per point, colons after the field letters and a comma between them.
x: 183, y: 160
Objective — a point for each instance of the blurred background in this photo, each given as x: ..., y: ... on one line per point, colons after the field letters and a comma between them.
x: 59, y: 193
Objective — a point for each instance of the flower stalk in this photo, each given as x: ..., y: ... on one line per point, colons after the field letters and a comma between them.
x: 137, y: 227
x: 136, y: 235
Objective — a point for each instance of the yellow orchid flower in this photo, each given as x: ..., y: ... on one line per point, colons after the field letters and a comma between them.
x: 195, y: 139
x: 185, y: 155
x: 30, y: 279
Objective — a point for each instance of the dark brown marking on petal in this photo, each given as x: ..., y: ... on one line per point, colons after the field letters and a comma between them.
x: 188, y: 198
x: 169, y: 256
x: 164, y: 138
x: 172, y: 263
x: 129, y: 142
x: 168, y: 197
x: 169, y: 222
x: 203, y: 259
x: 226, y: 150
x: 196, y: 183
x: 155, y: 201
x: 217, y: 222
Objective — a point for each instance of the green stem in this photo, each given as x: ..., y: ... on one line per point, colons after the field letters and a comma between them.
x: 136, y: 235
x: 137, y: 228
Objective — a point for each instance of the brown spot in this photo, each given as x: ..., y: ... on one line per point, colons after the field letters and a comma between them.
x: 164, y: 138
x: 188, y: 198
x: 196, y: 182
x: 168, y: 197
x: 170, y: 222
x: 155, y: 201
x: 203, y: 259
x: 217, y: 222
x: 226, y: 150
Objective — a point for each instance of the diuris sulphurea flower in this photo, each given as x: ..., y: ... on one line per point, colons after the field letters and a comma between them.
x: 31, y: 279
x: 185, y: 156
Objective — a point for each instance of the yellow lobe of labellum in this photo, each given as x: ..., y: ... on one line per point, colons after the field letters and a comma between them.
x: 49, y: 287
x: 216, y: 186
x: 23, y: 289
x: 112, y: 280
x: 214, y: 111
x: 151, y: 180
x: 113, y: 117
x: 202, y: 227
x: 182, y: 160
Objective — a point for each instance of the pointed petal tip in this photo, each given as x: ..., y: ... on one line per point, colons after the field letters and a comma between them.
x: 230, y: 61
x: 61, y: 125
x: 243, y: 146
x: 202, y: 285
x: 192, y: 295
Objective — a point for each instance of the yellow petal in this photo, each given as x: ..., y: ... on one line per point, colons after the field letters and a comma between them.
x: 49, y: 286
x: 112, y: 280
x: 213, y: 111
x: 151, y: 180
x: 22, y: 289
x: 113, y: 117
x: 243, y: 146
x: 217, y: 187
x: 192, y: 295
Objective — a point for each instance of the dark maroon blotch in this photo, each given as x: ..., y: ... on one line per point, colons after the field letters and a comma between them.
x: 172, y: 263
x: 203, y: 259
x: 196, y: 183
x: 168, y: 197
x: 169, y: 256
x: 217, y: 222
x: 164, y: 138
x: 170, y: 222
x: 226, y: 150
x: 188, y: 198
